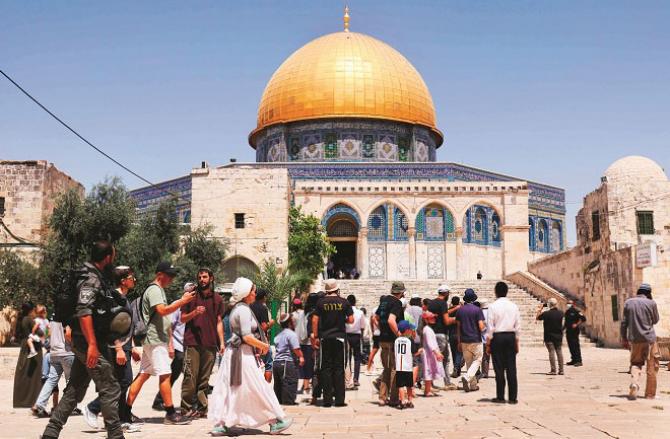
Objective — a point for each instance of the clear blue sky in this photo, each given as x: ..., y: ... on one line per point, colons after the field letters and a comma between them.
x: 546, y: 91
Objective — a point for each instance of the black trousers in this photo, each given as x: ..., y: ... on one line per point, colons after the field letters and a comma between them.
x: 176, y: 367
x: 503, y: 352
x: 124, y: 374
x: 455, y: 354
x: 332, y: 370
x: 285, y: 375
x: 573, y: 345
x: 354, y: 350
x: 108, y: 390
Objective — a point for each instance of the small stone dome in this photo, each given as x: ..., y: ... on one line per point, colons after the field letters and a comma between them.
x: 634, y: 169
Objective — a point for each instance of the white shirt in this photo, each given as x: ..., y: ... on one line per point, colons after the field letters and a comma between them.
x: 403, y: 354
x: 503, y: 316
x: 359, y: 322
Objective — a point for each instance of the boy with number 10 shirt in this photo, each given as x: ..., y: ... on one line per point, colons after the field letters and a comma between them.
x: 404, y: 364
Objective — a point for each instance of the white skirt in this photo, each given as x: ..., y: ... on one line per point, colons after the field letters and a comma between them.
x: 249, y: 405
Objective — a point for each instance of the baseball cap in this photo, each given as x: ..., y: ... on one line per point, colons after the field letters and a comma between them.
x: 444, y: 288
x: 167, y: 268
x: 404, y: 325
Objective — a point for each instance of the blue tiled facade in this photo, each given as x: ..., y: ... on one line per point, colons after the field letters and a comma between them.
x: 150, y: 197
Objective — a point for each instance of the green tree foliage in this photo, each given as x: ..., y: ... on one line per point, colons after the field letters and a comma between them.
x: 279, y: 284
x: 106, y: 213
x: 308, y: 245
x: 200, y: 250
x: 154, y: 238
x: 18, y: 281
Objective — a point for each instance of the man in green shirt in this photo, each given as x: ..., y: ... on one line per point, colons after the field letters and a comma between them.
x: 157, y: 348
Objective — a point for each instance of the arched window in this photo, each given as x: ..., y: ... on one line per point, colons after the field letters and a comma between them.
x: 556, y: 236
x: 342, y: 227
x: 238, y: 266
x: 377, y: 225
x: 542, y: 243
x: 400, y: 225
x: 495, y: 229
x: 480, y: 226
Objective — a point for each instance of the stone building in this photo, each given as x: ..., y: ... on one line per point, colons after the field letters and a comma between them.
x: 346, y: 129
x: 28, y: 193
x: 623, y: 233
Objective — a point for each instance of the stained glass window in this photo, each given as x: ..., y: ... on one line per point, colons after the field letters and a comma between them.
x: 377, y: 224
x: 495, y: 228
x: 403, y: 149
x: 368, y: 146
x: 400, y: 225
x: 331, y: 146
x: 294, y: 148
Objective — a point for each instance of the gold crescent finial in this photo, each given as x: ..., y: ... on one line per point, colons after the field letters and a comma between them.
x: 346, y: 18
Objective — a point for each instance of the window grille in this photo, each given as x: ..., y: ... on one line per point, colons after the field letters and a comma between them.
x: 645, y: 222
x: 239, y: 220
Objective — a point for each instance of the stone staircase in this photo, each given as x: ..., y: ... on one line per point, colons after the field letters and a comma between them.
x: 367, y: 294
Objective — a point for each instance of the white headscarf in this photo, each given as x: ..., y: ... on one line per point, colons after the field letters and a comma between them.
x: 241, y: 289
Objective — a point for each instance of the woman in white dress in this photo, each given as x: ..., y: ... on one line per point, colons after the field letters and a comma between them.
x: 241, y: 397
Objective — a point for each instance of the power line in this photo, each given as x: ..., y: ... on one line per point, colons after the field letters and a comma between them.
x: 82, y: 138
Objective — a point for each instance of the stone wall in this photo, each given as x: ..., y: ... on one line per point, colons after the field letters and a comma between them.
x: 261, y: 195
x: 30, y: 189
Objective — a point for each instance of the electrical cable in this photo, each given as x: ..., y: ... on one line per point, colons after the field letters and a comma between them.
x: 82, y: 138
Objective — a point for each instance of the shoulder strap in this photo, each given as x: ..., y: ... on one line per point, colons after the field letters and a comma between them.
x: 153, y: 312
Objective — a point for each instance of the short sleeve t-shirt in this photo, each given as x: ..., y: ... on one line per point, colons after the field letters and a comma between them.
x: 285, y: 342
x: 439, y: 308
x: 333, y: 312
x: 389, y: 305
x: 157, y: 326
x: 201, y: 330
x: 261, y: 312
x: 469, y: 316
x: 403, y: 354
x: 552, y: 321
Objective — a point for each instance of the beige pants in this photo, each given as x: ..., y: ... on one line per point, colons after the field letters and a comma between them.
x: 642, y: 353
x: 472, y: 353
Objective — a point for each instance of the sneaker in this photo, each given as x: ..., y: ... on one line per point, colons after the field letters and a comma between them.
x: 560, y: 372
x: 632, y: 392
x: 466, y: 384
x: 127, y: 427
x: 553, y: 372
x: 136, y: 419
x: 176, y: 419
x: 32, y: 354
x: 220, y: 430
x: 280, y: 425
x: 578, y: 364
x: 91, y: 418
x: 570, y: 363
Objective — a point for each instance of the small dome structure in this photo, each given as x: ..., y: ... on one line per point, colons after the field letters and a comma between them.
x: 634, y: 169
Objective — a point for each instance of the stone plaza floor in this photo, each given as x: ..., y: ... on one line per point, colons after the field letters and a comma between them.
x: 588, y: 402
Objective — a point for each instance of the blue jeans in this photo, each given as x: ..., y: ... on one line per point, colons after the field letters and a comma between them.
x: 59, y: 366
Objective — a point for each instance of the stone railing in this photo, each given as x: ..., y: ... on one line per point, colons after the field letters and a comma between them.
x: 539, y: 289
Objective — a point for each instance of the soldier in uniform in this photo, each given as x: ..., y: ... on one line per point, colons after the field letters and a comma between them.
x: 92, y: 357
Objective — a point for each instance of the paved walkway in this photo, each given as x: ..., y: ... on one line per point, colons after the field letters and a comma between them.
x: 588, y: 402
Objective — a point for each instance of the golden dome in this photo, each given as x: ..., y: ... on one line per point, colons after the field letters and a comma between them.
x: 346, y: 74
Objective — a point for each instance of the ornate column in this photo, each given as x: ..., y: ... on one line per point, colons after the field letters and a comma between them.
x: 411, y: 235
x: 362, y: 252
x: 459, y: 252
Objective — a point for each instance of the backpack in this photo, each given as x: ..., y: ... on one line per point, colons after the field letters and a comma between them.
x: 383, y: 311
x: 66, y: 296
x: 139, y: 326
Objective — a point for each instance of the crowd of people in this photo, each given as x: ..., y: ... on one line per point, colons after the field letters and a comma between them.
x: 320, y: 346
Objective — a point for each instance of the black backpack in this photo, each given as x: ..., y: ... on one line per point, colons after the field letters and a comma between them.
x: 384, y: 311
x: 66, y: 296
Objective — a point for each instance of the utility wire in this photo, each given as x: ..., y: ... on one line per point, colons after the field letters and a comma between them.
x: 115, y: 161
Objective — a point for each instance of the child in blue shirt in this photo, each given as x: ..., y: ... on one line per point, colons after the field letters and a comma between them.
x: 285, y: 366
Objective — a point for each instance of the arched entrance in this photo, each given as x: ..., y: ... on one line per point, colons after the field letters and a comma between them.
x: 238, y: 266
x: 341, y: 224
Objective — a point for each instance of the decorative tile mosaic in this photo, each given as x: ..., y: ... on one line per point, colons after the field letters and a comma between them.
x: 435, y: 261
x: 376, y: 262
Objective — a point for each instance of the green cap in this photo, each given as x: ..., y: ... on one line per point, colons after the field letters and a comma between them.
x: 397, y: 287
